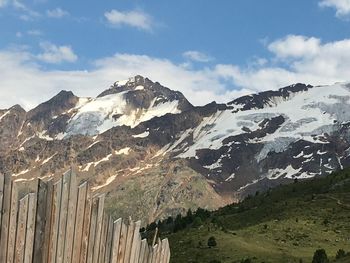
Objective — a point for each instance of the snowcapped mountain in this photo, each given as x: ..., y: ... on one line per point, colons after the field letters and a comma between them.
x: 128, y: 102
x: 156, y: 154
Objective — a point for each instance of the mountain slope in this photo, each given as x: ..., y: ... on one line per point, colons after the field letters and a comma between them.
x: 138, y: 138
x: 286, y: 224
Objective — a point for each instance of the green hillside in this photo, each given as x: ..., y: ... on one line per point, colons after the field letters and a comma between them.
x: 286, y: 224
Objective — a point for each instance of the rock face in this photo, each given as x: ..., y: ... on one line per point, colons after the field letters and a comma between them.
x: 156, y: 155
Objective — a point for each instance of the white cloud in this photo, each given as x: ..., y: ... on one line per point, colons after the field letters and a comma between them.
x: 57, y: 13
x: 27, y: 13
x: 295, y: 46
x: 136, y: 19
x: 56, y: 54
x: 199, y: 87
x: 304, y: 59
x: 196, y: 56
x: 342, y: 7
x: 326, y: 64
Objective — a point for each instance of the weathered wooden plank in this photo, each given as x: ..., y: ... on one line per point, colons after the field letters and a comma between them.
x: 21, y: 230
x: 92, y: 234
x: 103, y: 239
x: 79, y: 222
x: 47, y: 230
x: 142, y: 250
x: 2, y: 182
x: 138, y: 249
x: 115, y: 240
x: 154, y: 251
x: 40, y: 220
x: 148, y: 255
x: 29, y: 245
x: 55, y: 215
x: 63, y: 218
x: 109, y: 240
x: 159, y: 250
x: 129, y: 238
x: 99, y: 223
x: 167, y: 252
x: 4, y: 231
x: 163, y: 251
x: 72, y: 206
x: 122, y: 242
x: 135, y: 242
x: 12, y: 224
x: 86, y: 226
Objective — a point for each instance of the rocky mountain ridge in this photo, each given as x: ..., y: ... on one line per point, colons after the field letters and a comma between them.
x: 156, y: 154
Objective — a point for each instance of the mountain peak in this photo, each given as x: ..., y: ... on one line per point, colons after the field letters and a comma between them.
x: 137, y: 82
x: 56, y: 105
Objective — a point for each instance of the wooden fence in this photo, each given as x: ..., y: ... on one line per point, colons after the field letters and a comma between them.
x: 62, y: 222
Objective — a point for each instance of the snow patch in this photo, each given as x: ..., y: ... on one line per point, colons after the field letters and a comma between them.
x: 105, y: 159
x: 48, y: 159
x: 5, y: 114
x: 141, y: 135
x: 215, y: 165
x: 124, y: 151
x: 288, y: 172
x: 230, y: 178
x: 20, y: 173
x: 140, y: 88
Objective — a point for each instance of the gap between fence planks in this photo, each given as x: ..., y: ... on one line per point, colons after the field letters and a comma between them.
x: 62, y: 222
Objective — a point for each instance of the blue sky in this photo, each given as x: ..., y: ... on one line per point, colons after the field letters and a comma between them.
x: 209, y: 50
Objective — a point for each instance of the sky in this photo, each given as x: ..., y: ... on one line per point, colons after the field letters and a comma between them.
x: 209, y: 50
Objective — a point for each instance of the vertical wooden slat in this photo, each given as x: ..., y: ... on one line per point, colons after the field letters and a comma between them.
x: 135, y: 241
x: 72, y: 206
x: 147, y: 257
x: 155, y: 253
x: 63, y: 218
x: 92, y: 233
x: 79, y: 222
x: 101, y: 257
x: 138, y: 249
x: 86, y: 226
x: 101, y: 200
x: 115, y: 240
x: 129, y: 238
x: 122, y: 242
x: 2, y: 184
x: 167, y: 252
x: 159, y: 250
x: 5, y: 217
x: 163, y: 251
x: 29, y: 245
x: 40, y: 220
x: 21, y: 230
x: 42, y: 200
x: 109, y: 240
x: 142, y: 250
x: 152, y: 254
x: 41, y: 252
x: 55, y: 216
x: 12, y: 224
